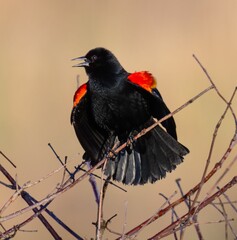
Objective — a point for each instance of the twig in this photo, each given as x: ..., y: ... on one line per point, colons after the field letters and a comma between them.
x: 60, y: 222
x: 72, y: 175
x: 11, y: 200
x: 52, y: 196
x: 7, y: 159
x: 64, y: 172
x: 151, y: 219
x: 230, y: 202
x: 189, y: 193
x: 219, y: 221
x: 216, y: 128
x: 110, y: 182
x: 107, y: 223
x: 181, y: 192
x: 220, y: 178
x: 100, y: 205
x: 29, y: 202
x: 125, y: 219
x: 227, y: 223
x: 94, y: 185
x: 225, y: 217
x: 185, y: 219
x: 173, y: 213
x: 59, y: 159
x: 15, y: 228
x: 197, y: 227
x: 19, y: 189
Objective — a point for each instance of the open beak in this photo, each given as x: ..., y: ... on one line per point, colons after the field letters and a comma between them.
x: 85, y: 62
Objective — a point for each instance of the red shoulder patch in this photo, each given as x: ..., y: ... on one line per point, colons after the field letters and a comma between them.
x: 144, y: 79
x: 80, y: 92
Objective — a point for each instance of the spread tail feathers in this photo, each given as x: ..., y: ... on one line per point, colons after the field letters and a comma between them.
x: 150, y: 157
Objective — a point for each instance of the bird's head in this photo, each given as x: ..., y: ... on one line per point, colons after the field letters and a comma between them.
x: 99, y: 62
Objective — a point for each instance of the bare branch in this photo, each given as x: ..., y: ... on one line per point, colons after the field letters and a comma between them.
x: 185, y: 219
x: 151, y: 219
x: 100, y: 205
x: 216, y: 128
x: 7, y: 159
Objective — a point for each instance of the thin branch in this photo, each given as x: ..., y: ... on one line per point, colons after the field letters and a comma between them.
x: 216, y: 128
x: 180, y: 200
x: 110, y: 182
x: 230, y: 202
x: 197, y: 227
x: 227, y: 223
x: 182, y: 193
x: 7, y: 159
x: 94, y: 185
x: 59, y: 159
x: 219, y: 221
x: 185, y: 219
x: 225, y: 217
x: 220, y: 178
x: 29, y: 202
x: 60, y: 222
x: 151, y: 219
x: 173, y: 213
x: 125, y: 219
x: 11, y: 200
x: 77, y: 169
x: 15, y: 228
x: 64, y: 172
x: 107, y: 223
x: 103, y: 187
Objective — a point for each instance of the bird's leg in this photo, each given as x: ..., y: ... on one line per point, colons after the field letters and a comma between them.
x: 111, y: 154
x: 111, y: 148
x: 130, y: 141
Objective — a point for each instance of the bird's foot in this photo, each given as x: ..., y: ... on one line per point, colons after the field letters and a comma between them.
x: 130, y: 141
x: 111, y: 154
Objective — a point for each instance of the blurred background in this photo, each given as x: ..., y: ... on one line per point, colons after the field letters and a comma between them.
x: 37, y: 83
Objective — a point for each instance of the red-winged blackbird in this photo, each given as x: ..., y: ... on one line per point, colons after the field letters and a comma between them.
x: 114, y: 105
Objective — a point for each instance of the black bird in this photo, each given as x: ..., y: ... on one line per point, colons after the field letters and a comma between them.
x: 115, y: 105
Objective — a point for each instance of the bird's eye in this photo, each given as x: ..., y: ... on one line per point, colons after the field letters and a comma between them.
x: 94, y: 58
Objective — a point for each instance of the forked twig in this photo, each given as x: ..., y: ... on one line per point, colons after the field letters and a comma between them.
x: 216, y: 128
x: 29, y: 202
x: 154, y: 215
x: 185, y: 219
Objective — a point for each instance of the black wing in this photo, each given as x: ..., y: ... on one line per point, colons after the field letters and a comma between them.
x: 158, y: 108
x: 93, y: 139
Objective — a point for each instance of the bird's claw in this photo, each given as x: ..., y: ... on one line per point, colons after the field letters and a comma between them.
x: 111, y: 154
x: 130, y: 142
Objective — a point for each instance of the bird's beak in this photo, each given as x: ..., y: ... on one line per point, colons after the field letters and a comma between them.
x: 85, y: 62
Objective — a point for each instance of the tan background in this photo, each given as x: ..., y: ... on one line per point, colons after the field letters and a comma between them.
x: 37, y: 41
